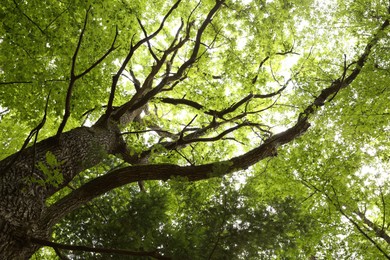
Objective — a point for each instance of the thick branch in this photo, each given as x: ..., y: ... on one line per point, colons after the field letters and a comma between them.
x: 130, y: 174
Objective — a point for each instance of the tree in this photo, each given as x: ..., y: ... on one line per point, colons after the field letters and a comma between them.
x: 194, y: 129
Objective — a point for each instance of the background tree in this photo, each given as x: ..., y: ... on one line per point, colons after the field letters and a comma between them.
x: 164, y: 129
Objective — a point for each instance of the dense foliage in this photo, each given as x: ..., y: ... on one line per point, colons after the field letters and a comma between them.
x: 203, y: 85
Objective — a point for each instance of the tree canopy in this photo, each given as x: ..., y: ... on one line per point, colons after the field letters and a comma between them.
x: 210, y: 129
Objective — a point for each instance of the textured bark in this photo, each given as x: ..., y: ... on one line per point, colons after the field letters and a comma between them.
x: 22, y: 202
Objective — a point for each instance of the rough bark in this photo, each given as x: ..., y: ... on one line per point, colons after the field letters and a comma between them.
x: 22, y: 201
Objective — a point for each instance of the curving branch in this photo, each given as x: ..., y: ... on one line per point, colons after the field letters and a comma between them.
x: 148, y: 41
x: 223, y: 112
x: 140, y: 98
x: 181, y: 141
x: 267, y: 149
x: 111, y: 49
x: 339, y: 207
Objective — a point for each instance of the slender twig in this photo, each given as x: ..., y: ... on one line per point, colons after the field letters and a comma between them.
x: 59, y: 254
x: 133, y: 48
x: 111, y: 49
x: 148, y: 41
x: 28, y: 18
x: 33, y: 132
x: 383, y: 210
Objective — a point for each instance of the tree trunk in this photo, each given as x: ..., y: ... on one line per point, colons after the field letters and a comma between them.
x: 22, y: 202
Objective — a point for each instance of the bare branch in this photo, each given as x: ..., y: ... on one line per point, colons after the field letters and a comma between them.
x: 258, y: 69
x: 74, y: 77
x: 198, y: 38
x: 184, y: 129
x: 140, y: 99
x: 222, y: 113
x: 55, y: 18
x: 136, y: 102
x: 130, y: 54
x: 148, y: 41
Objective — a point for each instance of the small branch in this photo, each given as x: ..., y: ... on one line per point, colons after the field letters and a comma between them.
x: 28, y: 18
x: 258, y: 69
x: 33, y: 132
x: 111, y: 49
x: 184, y: 157
x: 222, y: 113
x: 15, y: 82
x: 4, y: 111
x: 184, y: 129
x: 29, y: 82
x: 384, y: 210
x: 130, y: 54
x: 149, y: 130
x: 218, y: 137
x: 148, y: 41
x: 59, y: 254
x: 364, y: 233
x: 73, y: 79
x: 42, y: 242
x: 55, y: 19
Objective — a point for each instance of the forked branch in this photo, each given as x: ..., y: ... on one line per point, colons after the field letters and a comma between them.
x: 130, y: 54
x: 74, y: 77
x: 267, y: 149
